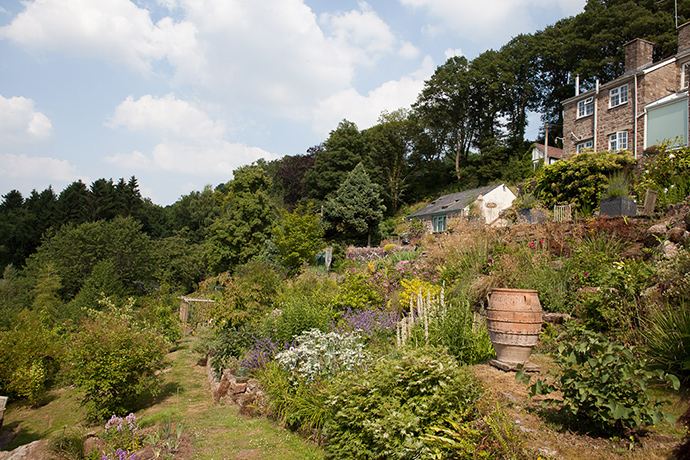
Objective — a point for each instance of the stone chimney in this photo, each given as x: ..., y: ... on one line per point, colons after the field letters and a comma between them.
x: 683, y: 37
x: 638, y: 52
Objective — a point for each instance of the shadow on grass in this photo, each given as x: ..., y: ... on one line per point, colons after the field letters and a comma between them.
x: 12, y: 436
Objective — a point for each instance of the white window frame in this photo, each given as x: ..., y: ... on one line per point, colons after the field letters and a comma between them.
x: 618, y: 96
x: 618, y: 141
x: 685, y: 76
x: 585, y: 145
x: 585, y: 107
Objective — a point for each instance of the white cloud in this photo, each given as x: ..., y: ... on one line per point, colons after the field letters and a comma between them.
x: 492, y: 21
x: 165, y: 116
x: 20, y: 123
x: 114, y: 30
x: 192, y: 142
x: 25, y: 167
x: 449, y: 53
x: 408, y: 51
x: 365, y: 110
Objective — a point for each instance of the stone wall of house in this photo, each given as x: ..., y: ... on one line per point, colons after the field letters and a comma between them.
x: 575, y: 130
x: 611, y: 120
x: 653, y: 86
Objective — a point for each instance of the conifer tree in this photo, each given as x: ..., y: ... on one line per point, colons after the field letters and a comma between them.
x: 356, y: 208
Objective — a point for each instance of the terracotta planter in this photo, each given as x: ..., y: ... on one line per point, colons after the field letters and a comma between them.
x: 513, y: 318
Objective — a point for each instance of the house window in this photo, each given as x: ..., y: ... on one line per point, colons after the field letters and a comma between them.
x: 618, y: 141
x: 618, y: 96
x: 439, y: 224
x: 685, y: 76
x: 584, y: 146
x: 585, y: 107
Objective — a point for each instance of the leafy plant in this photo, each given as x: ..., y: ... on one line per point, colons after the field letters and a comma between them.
x: 617, y: 185
x: 604, y: 387
x: 319, y: 355
x: 115, y: 363
x: 383, y: 412
x: 666, y: 334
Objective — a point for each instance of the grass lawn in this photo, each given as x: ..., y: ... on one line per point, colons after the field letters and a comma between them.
x: 219, y: 431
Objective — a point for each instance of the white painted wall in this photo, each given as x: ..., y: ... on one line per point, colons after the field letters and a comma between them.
x: 494, y: 202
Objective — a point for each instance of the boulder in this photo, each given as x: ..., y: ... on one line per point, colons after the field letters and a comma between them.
x: 653, y: 234
x: 676, y: 234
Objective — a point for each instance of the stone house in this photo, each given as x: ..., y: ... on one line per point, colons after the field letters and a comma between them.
x: 645, y: 106
x: 487, y: 203
x: 549, y: 155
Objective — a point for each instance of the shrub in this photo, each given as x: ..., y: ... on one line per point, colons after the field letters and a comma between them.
x: 581, y: 180
x: 319, y: 355
x: 355, y: 292
x: 114, y: 362
x: 300, y: 405
x: 456, y: 330
x: 604, y: 387
x: 383, y: 412
x: 297, y: 315
x: 29, y: 358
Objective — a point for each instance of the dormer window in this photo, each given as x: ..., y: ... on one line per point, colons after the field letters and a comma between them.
x: 585, y: 107
x: 618, y: 96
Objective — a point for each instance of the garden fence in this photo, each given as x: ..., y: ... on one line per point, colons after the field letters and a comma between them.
x: 562, y: 212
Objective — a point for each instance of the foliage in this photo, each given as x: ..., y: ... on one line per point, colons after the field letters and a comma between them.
x: 115, y: 362
x: 674, y: 276
x: 581, y: 180
x: 321, y: 355
x: 373, y: 325
x: 230, y: 344
x: 666, y: 335
x: 300, y: 405
x: 298, y: 237
x: 239, y: 234
x: 160, y: 313
x: 383, y: 412
x: 73, y: 253
x: 356, y: 208
x: 455, y: 329
x: 617, y: 185
x: 244, y: 298
x: 296, y: 315
x: 604, y: 387
x: 123, y: 433
x: 666, y: 170
x: 30, y: 354
x: 356, y: 292
x: 413, y: 287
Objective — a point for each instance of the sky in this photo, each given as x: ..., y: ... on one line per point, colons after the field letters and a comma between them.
x: 179, y: 93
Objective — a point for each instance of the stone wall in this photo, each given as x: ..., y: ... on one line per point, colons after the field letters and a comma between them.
x: 230, y: 389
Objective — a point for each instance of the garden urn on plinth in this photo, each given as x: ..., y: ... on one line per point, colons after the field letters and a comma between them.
x: 513, y: 319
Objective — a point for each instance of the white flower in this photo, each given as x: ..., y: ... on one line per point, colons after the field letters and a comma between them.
x: 671, y: 156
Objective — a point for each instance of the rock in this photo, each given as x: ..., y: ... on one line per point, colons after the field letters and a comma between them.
x: 653, y: 234
x: 670, y: 249
x: 556, y: 318
x: 37, y: 450
x: 676, y: 235
x: 239, y: 388
x: 686, y: 219
x: 557, y: 265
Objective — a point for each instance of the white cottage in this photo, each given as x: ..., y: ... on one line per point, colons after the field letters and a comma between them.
x: 487, y: 201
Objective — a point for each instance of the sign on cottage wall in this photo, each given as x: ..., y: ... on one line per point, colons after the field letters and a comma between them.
x: 490, y: 205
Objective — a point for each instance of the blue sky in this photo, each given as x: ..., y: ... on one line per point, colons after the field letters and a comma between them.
x: 179, y: 93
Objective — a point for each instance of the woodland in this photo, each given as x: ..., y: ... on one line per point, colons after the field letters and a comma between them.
x: 92, y: 275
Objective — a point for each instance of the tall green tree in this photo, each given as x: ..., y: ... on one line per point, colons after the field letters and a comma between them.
x: 445, y: 106
x: 239, y: 234
x: 345, y: 147
x: 356, y: 209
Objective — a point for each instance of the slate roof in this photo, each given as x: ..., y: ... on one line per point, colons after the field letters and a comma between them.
x: 453, y: 202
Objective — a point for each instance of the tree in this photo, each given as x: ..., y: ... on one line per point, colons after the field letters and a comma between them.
x: 195, y: 213
x: 298, y: 237
x: 345, y: 147
x: 240, y: 233
x: 356, y: 209
x: 446, y: 109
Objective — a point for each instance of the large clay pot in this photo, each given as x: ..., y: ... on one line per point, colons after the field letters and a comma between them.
x: 513, y: 318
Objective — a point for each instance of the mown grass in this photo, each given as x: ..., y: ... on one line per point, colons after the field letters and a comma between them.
x: 219, y: 431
